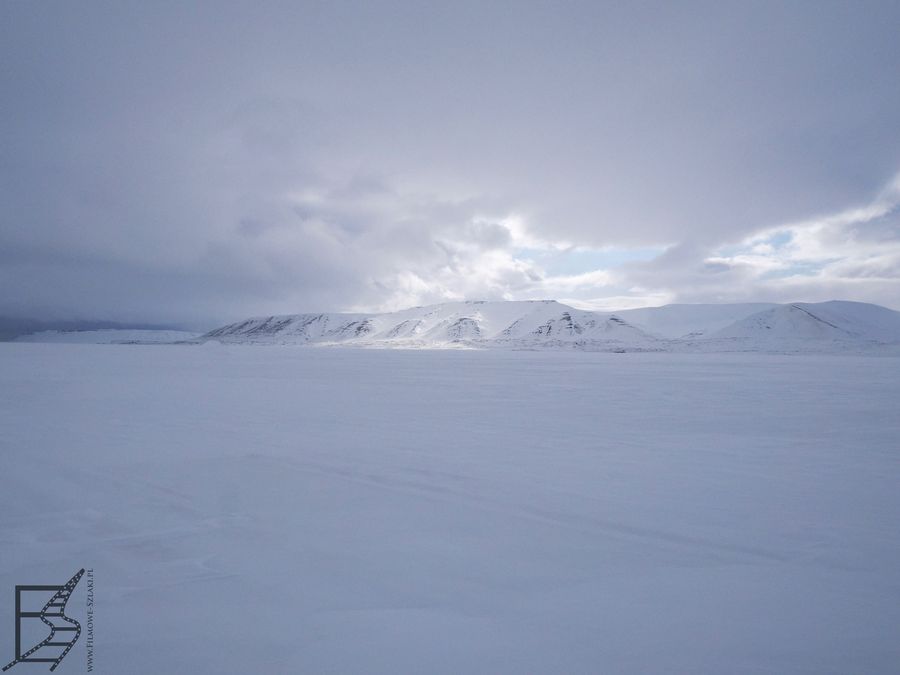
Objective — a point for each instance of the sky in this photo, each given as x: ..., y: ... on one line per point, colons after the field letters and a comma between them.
x: 194, y: 163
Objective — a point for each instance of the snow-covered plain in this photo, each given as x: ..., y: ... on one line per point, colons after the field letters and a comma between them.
x: 303, y: 510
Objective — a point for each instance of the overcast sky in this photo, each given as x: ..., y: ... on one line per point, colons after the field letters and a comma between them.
x: 198, y: 162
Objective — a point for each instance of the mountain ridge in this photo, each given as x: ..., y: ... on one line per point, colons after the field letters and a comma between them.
x: 550, y: 324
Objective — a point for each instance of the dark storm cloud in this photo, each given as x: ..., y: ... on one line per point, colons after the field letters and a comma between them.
x: 173, y: 162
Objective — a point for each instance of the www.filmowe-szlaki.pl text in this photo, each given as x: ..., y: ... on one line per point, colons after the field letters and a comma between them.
x: 89, y: 641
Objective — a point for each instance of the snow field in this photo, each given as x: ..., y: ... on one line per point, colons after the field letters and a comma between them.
x: 286, y: 509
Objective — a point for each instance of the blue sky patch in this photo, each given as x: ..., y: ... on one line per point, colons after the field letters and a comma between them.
x: 581, y: 260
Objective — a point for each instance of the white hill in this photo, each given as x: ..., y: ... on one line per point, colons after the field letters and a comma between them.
x: 830, y: 326
x: 523, y: 324
x: 835, y: 321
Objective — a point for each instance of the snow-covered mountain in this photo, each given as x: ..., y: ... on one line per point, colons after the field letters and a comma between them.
x: 521, y: 324
x: 835, y: 321
x: 828, y: 326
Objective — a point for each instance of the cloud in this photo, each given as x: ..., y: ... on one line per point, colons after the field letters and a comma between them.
x: 854, y: 253
x: 217, y: 163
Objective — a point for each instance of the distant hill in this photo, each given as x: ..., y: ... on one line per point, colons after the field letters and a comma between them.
x: 830, y: 321
x: 474, y: 323
x: 11, y: 328
x: 835, y: 326
x: 828, y: 326
x: 109, y: 336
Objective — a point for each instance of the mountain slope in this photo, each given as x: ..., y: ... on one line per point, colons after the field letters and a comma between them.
x: 835, y: 321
